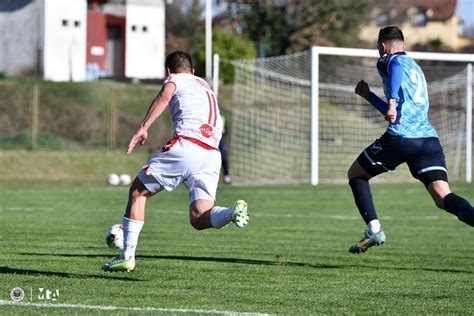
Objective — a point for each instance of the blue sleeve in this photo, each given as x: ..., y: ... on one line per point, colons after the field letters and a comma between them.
x: 378, y: 103
x: 395, y: 72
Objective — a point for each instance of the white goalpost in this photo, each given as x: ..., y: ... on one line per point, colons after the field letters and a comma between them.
x: 296, y: 118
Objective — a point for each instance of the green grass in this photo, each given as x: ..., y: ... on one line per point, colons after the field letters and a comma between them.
x: 72, y: 165
x: 291, y: 259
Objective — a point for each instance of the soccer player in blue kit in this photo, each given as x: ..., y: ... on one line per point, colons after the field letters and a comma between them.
x: 410, y: 138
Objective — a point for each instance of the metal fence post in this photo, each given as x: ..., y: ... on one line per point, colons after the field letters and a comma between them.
x: 34, y: 104
x: 113, y: 119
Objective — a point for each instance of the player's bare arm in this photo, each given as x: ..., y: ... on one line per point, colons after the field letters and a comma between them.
x: 157, y: 106
x: 391, y: 115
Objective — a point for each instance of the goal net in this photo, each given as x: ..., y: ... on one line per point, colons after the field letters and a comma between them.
x: 294, y: 125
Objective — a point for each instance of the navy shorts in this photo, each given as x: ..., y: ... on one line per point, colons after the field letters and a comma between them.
x: 424, y: 157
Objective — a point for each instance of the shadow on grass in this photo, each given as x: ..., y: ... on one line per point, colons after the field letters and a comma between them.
x: 279, y: 261
x: 30, y: 272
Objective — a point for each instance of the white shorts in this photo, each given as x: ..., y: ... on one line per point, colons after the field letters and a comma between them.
x: 183, y: 160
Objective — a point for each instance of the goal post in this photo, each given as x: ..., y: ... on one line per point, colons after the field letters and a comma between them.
x: 296, y: 119
x: 314, y: 178
x: 215, y: 73
x: 469, y: 124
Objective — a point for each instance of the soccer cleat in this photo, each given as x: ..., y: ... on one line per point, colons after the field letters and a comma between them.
x: 239, y: 215
x: 368, y: 241
x: 118, y: 264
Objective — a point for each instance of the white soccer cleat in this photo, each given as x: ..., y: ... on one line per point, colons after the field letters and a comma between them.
x: 239, y: 215
x: 119, y: 265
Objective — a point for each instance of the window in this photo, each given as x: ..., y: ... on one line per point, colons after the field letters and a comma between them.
x: 64, y: 22
x: 419, y: 20
x: 77, y: 23
x: 134, y: 28
x: 145, y: 28
x: 382, y: 20
x: 419, y: 16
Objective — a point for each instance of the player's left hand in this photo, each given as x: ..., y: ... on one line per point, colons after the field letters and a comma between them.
x: 362, y: 89
x: 140, y: 136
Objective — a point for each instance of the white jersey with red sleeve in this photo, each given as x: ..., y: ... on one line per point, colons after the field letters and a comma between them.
x: 194, y: 109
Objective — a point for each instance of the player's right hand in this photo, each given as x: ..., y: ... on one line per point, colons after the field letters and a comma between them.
x: 362, y: 89
x: 391, y: 115
x: 140, y: 136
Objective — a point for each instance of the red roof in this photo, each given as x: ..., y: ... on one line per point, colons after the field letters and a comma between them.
x: 442, y: 10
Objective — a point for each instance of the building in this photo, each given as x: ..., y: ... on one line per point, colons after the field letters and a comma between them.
x: 126, y: 39
x: 426, y: 23
x: 77, y: 40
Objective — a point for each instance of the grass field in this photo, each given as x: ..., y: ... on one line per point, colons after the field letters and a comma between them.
x: 291, y: 259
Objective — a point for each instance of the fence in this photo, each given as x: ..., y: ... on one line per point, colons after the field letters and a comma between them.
x: 65, y: 115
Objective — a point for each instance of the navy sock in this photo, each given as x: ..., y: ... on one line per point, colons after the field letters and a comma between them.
x: 363, y: 198
x: 458, y: 206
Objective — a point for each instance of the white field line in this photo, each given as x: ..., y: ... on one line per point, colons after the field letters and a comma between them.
x: 345, y: 217
x: 354, y: 217
x: 118, y: 308
x: 27, y: 208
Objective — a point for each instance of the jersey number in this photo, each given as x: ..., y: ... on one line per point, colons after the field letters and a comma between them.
x: 418, y: 81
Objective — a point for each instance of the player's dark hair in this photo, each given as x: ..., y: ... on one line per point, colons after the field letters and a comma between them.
x: 390, y: 33
x: 179, y: 61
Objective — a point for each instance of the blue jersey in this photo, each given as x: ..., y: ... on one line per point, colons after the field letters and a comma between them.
x: 404, y: 81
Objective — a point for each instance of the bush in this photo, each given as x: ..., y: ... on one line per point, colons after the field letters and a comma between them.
x: 229, y: 45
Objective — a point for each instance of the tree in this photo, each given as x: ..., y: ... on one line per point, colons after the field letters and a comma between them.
x: 184, y: 26
x: 229, y: 45
x: 282, y: 26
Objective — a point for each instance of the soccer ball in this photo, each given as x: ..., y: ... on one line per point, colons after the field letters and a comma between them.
x: 125, y: 179
x: 113, y: 179
x: 114, y: 236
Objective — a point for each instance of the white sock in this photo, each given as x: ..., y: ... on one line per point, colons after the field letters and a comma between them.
x: 221, y: 216
x: 374, y: 226
x: 131, y: 231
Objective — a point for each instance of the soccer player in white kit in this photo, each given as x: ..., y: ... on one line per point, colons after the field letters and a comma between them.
x: 191, y: 156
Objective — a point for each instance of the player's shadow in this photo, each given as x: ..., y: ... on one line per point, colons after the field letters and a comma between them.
x: 31, y: 272
x: 276, y: 262
x: 279, y: 261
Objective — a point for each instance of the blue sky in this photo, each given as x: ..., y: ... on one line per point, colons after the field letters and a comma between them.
x: 465, y: 10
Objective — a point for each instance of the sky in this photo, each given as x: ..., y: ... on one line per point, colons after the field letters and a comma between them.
x: 465, y: 10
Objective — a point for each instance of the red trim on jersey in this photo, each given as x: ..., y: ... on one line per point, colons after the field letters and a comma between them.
x: 170, y: 143
x: 175, y: 139
x: 215, y: 109
x: 198, y: 142
x: 210, y: 107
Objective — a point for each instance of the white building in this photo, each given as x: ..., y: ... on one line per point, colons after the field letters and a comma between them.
x: 72, y: 40
x: 145, y: 45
